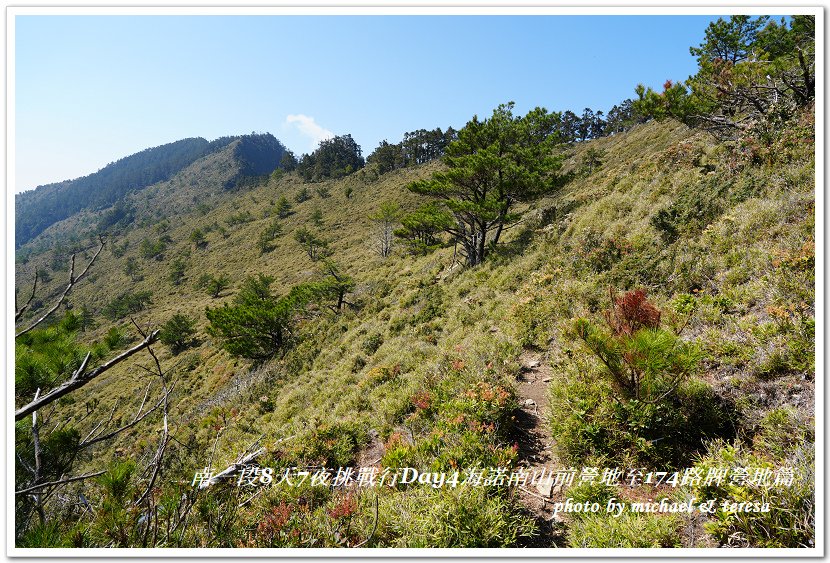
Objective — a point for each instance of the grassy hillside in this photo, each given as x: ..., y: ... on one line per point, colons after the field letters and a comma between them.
x: 426, y: 367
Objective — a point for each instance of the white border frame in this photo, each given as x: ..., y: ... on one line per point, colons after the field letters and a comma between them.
x: 374, y: 7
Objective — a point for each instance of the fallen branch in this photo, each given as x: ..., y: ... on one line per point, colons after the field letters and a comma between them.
x: 232, y: 468
x: 139, y: 417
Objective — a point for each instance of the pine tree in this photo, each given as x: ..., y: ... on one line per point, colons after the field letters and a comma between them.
x: 493, y: 164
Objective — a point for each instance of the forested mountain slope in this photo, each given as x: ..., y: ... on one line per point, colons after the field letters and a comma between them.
x: 37, y: 209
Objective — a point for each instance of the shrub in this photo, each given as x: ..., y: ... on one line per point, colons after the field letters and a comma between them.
x: 197, y: 237
x: 150, y: 250
x: 126, y: 304
x: 115, y: 338
x: 790, y: 521
x: 266, y: 238
x: 657, y: 411
x: 601, y: 253
x: 178, y: 332
x: 314, y: 245
x: 331, y: 445
x: 372, y: 343
x: 628, y: 530
x: 177, y: 270
x: 258, y: 324
x: 214, y: 286
x: 302, y: 195
x: 239, y: 218
x: 283, y: 207
x: 643, y: 362
x: 452, y: 517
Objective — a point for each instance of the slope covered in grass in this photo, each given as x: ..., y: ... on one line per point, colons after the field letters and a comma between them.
x: 420, y: 368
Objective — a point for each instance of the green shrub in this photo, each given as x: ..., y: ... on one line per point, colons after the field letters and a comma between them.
x: 790, y: 520
x: 447, y: 517
x: 126, y: 304
x: 115, y: 338
x: 178, y: 333
x: 636, y: 530
x: 214, y: 286
x: 666, y: 434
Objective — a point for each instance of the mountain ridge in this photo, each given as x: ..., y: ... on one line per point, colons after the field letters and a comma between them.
x: 36, y: 210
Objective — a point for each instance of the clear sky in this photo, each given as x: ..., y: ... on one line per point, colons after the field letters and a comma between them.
x: 92, y: 89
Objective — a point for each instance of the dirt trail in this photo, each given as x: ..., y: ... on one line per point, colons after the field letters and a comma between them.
x: 535, y: 440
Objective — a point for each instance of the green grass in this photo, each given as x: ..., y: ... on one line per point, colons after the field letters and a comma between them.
x: 427, y: 357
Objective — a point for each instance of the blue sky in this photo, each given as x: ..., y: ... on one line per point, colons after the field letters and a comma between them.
x: 92, y: 89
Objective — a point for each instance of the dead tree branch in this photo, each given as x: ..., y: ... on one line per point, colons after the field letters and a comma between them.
x: 165, y: 438
x: 81, y: 378
x: 59, y: 482
x: 19, y: 312
x: 72, y: 281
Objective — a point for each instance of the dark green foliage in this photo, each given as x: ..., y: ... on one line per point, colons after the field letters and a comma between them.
x: 334, y: 286
x: 126, y: 303
x: 85, y: 319
x: 58, y: 450
x: 197, y: 237
x: 131, y: 268
x: 118, y: 250
x: 120, y: 215
x: 657, y: 412
x: 334, y: 158
x: 701, y: 203
x: 750, y: 70
x: 45, y: 357
x: 265, y: 243
x: 591, y: 160
x: 417, y: 147
x: 239, y: 218
x: 283, y: 207
x: 601, y: 253
x: 288, y: 161
x: 36, y: 210
x: 331, y: 446
x: 178, y: 333
x: 177, y: 271
x: 643, y: 362
x: 259, y: 324
x: 153, y: 250
x: 302, y: 195
x: 667, y: 223
x: 258, y: 155
x: 420, y: 229
x: 323, y: 192
x: 115, y: 338
x: 729, y: 40
x: 493, y: 165
x: 213, y: 285
x: 372, y: 343
x: 314, y: 245
x: 317, y: 217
